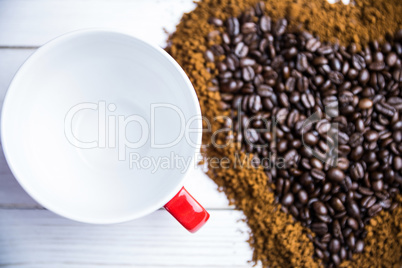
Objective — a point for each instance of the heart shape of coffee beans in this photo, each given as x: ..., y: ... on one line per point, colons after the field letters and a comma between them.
x: 323, y: 120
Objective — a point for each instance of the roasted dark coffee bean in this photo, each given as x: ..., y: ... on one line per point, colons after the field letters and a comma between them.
x: 215, y: 21
x: 233, y: 26
x: 283, y: 100
x: 357, y: 171
x: 371, y: 135
x: 359, y: 246
x: 358, y: 62
x: 251, y: 135
x: 265, y: 24
x: 209, y: 56
x: 336, y: 77
x: 335, y: 174
x: 386, y: 204
x: 310, y: 139
x: 248, y: 73
x: 353, y: 224
x: 351, y: 241
x: 377, y: 66
x: 357, y: 153
x: 302, y: 196
x: 255, y: 104
x: 337, y: 204
x: 320, y: 228
x: 248, y: 27
x: 385, y: 109
x: 320, y: 208
x: 391, y: 59
x: 334, y: 246
x: 308, y: 100
x: 365, y: 104
x: 291, y: 53
x: 280, y: 27
x: 365, y: 190
x: 313, y: 44
x: 287, y: 199
x: 352, y: 208
x: 247, y: 62
x: 241, y: 50
x: 318, y: 174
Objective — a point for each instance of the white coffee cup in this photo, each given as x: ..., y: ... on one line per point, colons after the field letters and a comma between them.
x: 86, y: 114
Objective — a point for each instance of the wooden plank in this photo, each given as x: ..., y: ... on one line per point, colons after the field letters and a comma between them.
x: 12, y: 195
x: 38, y: 238
x: 32, y: 23
x: 11, y: 60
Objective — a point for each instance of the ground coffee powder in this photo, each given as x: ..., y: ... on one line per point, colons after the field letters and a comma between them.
x: 277, y: 240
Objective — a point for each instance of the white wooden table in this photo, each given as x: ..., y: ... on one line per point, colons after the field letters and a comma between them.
x: 31, y: 236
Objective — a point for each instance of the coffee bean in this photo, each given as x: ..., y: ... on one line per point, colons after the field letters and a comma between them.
x: 320, y: 208
x: 365, y: 190
x: 241, y: 50
x: 233, y: 26
x: 313, y: 44
x: 351, y: 241
x: 397, y: 163
x: 288, y: 199
x: 377, y: 66
x: 308, y: 100
x: 357, y: 171
x: 320, y: 228
x: 377, y: 185
x: 364, y: 76
x: 248, y: 27
x: 336, y: 77
x: 371, y: 135
x: 386, y: 204
x: 337, y: 204
x: 353, y: 223
x: 334, y: 246
x: 359, y: 246
x: 335, y: 174
x: 391, y: 59
x: 319, y: 253
x: 310, y: 139
x: 255, y: 104
x: 358, y: 62
x: 323, y: 126
x: 302, y: 196
x: 251, y: 135
x: 335, y: 259
x: 215, y: 21
x: 248, y: 73
x: 317, y: 174
x: 365, y: 103
x: 291, y: 53
x: 353, y: 209
x: 265, y: 24
x: 209, y: 56
x: 290, y: 157
x: 385, y: 109
x: 229, y: 87
x: 280, y: 27
x: 247, y: 62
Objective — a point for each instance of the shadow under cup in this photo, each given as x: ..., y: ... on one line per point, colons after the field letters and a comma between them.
x: 101, y: 127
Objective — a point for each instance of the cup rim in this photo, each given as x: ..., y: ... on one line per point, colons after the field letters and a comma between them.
x: 13, y: 165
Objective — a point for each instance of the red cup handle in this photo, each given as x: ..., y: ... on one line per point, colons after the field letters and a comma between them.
x: 187, y: 211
